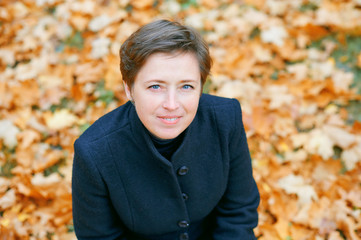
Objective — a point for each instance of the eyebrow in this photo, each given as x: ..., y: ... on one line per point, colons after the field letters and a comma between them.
x: 162, y: 81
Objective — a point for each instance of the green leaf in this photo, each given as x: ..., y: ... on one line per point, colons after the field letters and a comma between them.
x: 185, y: 4
x: 345, y: 54
x: 207, y: 86
x: 50, y: 10
x: 255, y: 33
x: 70, y: 228
x: 64, y: 103
x: 54, y: 169
x: 84, y: 127
x: 104, y: 95
x: 354, y: 113
x: 308, y: 7
x: 49, y: 235
x: 129, y: 8
x: 274, y: 75
x: 5, y: 169
x: 76, y: 41
x: 337, y: 152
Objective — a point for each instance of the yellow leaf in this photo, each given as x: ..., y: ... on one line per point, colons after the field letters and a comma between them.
x: 22, y: 217
x: 359, y: 60
x: 140, y: 4
x: 4, y: 222
x: 60, y: 119
x: 282, y: 227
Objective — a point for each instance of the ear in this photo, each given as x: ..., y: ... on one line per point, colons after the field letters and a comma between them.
x: 127, y: 91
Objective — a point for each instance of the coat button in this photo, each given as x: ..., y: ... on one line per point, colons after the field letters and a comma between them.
x: 183, y: 170
x: 183, y: 224
x: 185, y: 196
x: 184, y: 236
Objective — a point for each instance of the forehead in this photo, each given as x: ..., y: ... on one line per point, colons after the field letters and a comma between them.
x: 170, y: 66
x: 169, y: 57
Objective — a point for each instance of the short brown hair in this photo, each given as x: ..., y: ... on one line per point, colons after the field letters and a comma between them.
x: 166, y: 37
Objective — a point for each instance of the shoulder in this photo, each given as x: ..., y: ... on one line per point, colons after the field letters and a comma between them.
x: 107, y: 124
x: 226, y: 112
x: 219, y: 104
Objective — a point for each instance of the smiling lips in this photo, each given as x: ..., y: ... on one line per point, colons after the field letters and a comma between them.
x: 169, y: 119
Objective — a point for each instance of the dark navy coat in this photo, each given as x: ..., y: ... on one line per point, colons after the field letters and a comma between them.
x: 123, y: 188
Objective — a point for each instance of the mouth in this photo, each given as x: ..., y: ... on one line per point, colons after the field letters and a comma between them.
x: 169, y: 119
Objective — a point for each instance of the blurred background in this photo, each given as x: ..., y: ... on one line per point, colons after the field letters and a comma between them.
x: 295, y: 67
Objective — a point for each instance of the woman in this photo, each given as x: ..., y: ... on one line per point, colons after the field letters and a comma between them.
x: 172, y: 163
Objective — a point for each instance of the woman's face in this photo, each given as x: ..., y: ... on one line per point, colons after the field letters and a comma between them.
x: 166, y: 93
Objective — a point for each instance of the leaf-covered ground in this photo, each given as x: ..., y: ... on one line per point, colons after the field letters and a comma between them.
x: 295, y: 66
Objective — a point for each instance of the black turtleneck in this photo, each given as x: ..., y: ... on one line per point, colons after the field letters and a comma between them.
x: 166, y: 147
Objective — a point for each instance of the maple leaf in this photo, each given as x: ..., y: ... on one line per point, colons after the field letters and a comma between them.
x: 319, y: 143
x: 140, y: 4
x: 342, y: 80
x: 100, y: 47
x: 195, y: 20
x: 278, y: 96
x: 99, y: 22
x: 4, y: 184
x: 8, y: 133
x: 7, y: 56
x: 275, y: 35
x: 8, y: 199
x: 40, y: 180
x: 86, y: 6
x: 339, y: 136
x: 277, y: 7
x: 352, y: 156
x: 296, y: 184
x: 171, y: 7
x: 60, y: 119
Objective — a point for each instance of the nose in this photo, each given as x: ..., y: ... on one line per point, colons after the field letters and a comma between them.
x: 171, y: 101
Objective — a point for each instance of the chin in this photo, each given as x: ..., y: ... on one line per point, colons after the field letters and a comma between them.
x: 168, y: 135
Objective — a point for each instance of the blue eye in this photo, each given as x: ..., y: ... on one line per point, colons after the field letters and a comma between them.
x: 187, y: 87
x: 154, y: 87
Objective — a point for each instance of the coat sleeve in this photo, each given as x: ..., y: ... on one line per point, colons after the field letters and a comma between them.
x: 236, y: 214
x: 93, y: 214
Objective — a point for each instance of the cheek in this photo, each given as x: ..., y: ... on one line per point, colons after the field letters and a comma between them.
x: 192, y: 105
x: 146, y: 106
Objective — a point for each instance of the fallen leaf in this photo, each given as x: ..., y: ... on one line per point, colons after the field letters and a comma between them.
x: 319, y: 143
x: 99, y: 22
x: 8, y: 133
x: 40, y: 180
x: 275, y: 35
x: 352, y: 156
x: 60, y: 119
x: 296, y: 184
x: 339, y: 136
x: 8, y: 199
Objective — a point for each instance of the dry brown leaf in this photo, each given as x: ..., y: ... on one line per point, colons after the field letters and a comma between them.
x: 339, y: 136
x: 297, y: 185
x: 89, y: 72
x: 60, y: 119
x: 8, y: 199
x: 141, y: 4
x: 8, y: 133
x: 28, y: 137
